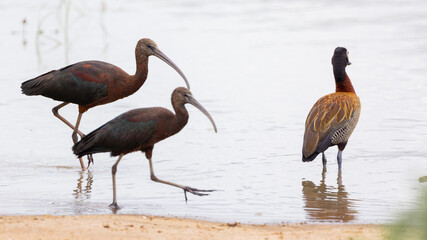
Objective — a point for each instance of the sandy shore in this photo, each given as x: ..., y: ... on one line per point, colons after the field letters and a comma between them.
x: 147, y: 227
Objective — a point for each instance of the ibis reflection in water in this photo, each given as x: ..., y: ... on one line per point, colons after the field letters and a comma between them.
x: 84, y: 185
x: 328, y: 203
x: 333, y: 117
x: 139, y: 130
x: 93, y: 83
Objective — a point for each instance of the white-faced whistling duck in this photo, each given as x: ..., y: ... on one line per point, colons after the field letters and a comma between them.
x: 333, y: 118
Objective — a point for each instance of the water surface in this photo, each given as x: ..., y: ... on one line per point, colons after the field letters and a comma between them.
x: 258, y: 67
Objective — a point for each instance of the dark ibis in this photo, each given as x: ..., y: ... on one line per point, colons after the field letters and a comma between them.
x: 333, y: 118
x: 138, y: 130
x: 93, y: 83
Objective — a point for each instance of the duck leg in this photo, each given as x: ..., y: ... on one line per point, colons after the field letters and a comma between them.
x: 324, y: 161
x: 341, y: 147
x: 339, y: 159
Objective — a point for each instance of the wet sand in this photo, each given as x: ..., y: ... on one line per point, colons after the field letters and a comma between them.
x: 147, y: 227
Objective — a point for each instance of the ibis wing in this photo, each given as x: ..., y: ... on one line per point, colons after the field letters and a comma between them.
x: 124, y: 136
x: 329, y: 114
x: 118, y: 135
x: 81, y: 83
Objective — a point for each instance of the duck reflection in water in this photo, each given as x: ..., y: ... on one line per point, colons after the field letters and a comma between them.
x: 328, y: 203
x: 85, y: 191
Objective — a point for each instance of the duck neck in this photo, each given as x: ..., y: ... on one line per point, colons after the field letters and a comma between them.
x: 342, y: 81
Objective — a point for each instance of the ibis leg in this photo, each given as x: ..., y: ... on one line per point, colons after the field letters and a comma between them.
x: 113, y: 172
x: 186, y: 189
x: 56, y: 113
x: 75, y: 139
x: 76, y: 128
x: 339, y: 159
x: 76, y: 131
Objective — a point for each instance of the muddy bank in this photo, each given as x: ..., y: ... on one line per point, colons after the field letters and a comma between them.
x: 148, y: 227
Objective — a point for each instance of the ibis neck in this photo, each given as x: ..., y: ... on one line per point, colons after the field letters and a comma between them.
x: 141, y: 70
x: 342, y: 81
x: 181, y: 115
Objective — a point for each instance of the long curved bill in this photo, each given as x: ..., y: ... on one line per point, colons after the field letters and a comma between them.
x: 195, y: 103
x: 165, y: 59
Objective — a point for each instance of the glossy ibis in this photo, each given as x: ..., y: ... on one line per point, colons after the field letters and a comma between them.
x: 93, y: 83
x: 333, y: 118
x: 139, y: 130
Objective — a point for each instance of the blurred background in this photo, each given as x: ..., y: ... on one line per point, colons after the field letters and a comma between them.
x: 258, y: 67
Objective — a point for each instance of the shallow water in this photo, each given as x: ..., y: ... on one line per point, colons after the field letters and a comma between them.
x: 258, y: 67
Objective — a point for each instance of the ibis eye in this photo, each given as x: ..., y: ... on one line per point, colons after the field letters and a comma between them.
x: 187, y: 97
x: 151, y: 47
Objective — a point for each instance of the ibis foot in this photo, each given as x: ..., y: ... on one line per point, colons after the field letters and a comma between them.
x: 114, y: 206
x: 195, y: 191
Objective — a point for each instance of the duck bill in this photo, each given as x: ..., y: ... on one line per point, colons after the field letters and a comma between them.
x: 195, y: 103
x: 165, y: 59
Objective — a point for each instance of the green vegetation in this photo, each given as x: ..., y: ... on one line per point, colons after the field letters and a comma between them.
x: 413, y: 224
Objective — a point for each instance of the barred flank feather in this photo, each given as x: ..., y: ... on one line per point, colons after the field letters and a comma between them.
x: 330, y: 122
